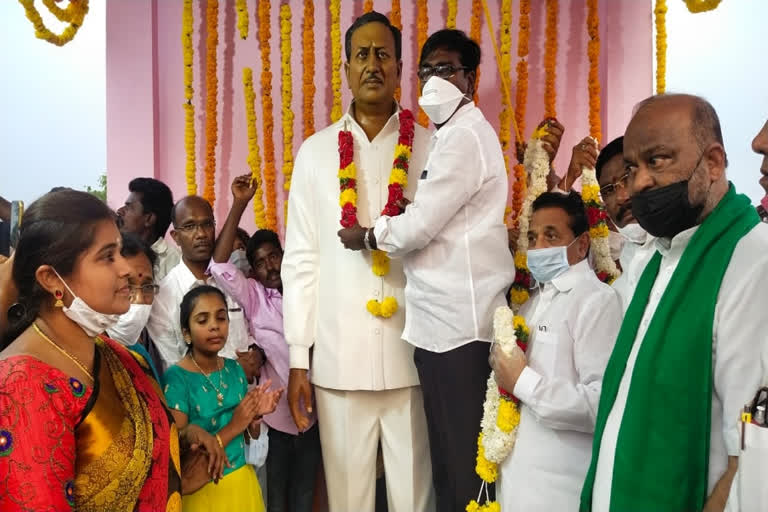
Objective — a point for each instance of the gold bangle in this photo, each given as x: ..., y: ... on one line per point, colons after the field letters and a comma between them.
x: 218, y: 438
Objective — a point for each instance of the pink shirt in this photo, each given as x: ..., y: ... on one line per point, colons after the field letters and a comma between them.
x: 263, y: 309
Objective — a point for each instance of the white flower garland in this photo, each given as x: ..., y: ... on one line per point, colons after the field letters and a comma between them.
x: 536, y: 163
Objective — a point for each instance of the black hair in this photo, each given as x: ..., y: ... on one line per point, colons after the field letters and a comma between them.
x: 454, y: 40
x: 156, y: 198
x: 133, y: 245
x: 243, y: 236
x: 612, y: 149
x: 571, y: 204
x: 259, y: 238
x: 55, y: 231
x: 189, y: 302
x: 373, y: 17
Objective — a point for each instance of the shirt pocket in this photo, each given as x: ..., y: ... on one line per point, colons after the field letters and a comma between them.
x: 543, y: 354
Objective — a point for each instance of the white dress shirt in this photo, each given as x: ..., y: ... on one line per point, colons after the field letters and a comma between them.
x: 325, y: 286
x: 167, y: 258
x: 635, y: 255
x: 738, y: 334
x: 164, y: 324
x: 452, y: 238
x: 574, y: 320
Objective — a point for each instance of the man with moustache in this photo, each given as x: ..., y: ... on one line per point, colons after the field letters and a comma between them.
x: 667, y: 436
x: 193, y: 231
x: 366, y: 385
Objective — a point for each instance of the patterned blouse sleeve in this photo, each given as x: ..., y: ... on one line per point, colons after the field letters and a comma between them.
x: 40, y: 409
x: 176, y: 389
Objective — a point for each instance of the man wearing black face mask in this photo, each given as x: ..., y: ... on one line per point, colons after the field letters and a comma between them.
x: 687, y: 356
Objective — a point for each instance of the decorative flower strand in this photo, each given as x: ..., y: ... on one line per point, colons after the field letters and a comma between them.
x: 550, y: 59
x: 395, y: 17
x: 254, y: 160
x: 190, y: 169
x: 241, y: 6
x: 268, y: 123
x: 697, y: 6
x: 287, y: 94
x: 335, y: 10
x: 450, y: 21
x: 422, y: 24
x: 660, y: 13
x: 74, y: 14
x: 597, y: 218
x: 521, y: 102
x: 593, y: 52
x: 476, y: 35
x: 211, y: 107
x: 505, y: 68
x: 368, y: 6
x: 308, y: 71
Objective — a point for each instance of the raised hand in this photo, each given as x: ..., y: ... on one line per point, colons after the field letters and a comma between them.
x: 551, y: 141
x: 243, y: 188
x: 584, y: 155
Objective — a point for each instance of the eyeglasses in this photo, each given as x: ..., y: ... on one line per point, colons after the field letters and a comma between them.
x: 441, y: 70
x: 611, y: 188
x: 146, y: 290
x: 206, y: 225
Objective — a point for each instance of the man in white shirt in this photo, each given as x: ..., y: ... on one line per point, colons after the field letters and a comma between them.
x: 760, y: 146
x: 573, y: 318
x: 193, y: 230
x: 147, y: 213
x: 453, y: 245
x: 366, y: 384
x: 667, y: 435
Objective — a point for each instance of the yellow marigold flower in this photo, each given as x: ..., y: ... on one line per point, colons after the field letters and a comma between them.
x: 518, y: 322
x: 398, y: 176
x: 348, y: 196
x: 508, y: 416
x: 521, y: 260
x: 388, y: 307
x: 373, y: 307
x: 599, y: 231
x: 348, y: 172
x: 540, y: 132
x: 402, y: 150
x: 485, y: 469
x: 473, y: 506
x: 518, y: 296
x: 380, y: 265
x: 590, y: 193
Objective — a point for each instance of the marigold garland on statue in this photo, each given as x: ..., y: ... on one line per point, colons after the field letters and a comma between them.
x: 476, y: 35
x: 550, y: 59
x: 211, y: 105
x: 697, y: 6
x: 241, y: 6
x: 74, y: 14
x: 593, y: 52
x: 335, y: 10
x: 450, y: 20
x: 308, y: 71
x: 268, y: 123
x: 660, y: 13
x: 287, y: 94
x: 254, y: 160
x: 422, y: 25
x: 398, y: 181
x: 190, y: 169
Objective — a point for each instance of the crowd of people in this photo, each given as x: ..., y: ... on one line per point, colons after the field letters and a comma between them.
x: 221, y: 373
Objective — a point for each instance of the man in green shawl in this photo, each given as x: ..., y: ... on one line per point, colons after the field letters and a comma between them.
x: 687, y: 357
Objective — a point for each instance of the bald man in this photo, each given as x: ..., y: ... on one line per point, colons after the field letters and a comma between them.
x: 193, y: 230
x: 687, y: 357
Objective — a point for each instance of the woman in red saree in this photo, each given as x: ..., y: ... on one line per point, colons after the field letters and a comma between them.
x: 83, y: 425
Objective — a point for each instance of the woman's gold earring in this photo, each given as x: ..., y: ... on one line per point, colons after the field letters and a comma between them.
x: 59, y: 295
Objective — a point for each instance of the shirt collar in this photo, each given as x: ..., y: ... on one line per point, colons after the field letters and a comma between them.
x: 456, y: 117
x: 392, y: 124
x: 186, y: 278
x: 676, y: 244
x: 160, y: 246
x: 571, y: 277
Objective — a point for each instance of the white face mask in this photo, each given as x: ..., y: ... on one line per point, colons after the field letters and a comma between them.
x: 128, y: 329
x: 616, y: 244
x: 439, y: 99
x: 240, y: 260
x: 633, y: 232
x: 90, y: 321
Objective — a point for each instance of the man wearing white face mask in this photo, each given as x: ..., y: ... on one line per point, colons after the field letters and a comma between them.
x: 129, y: 329
x: 453, y: 245
x: 574, y: 319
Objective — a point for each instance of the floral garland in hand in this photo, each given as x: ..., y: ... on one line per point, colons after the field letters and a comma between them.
x: 398, y: 181
x: 74, y: 14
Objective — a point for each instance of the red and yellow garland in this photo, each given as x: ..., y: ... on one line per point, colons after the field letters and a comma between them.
x: 550, y: 60
x: 211, y: 107
x: 335, y: 10
x: 74, y: 14
x: 241, y: 6
x: 422, y: 24
x: 398, y: 181
x: 266, y: 109
x: 308, y: 73
x: 254, y: 160
x: 286, y: 95
x: 190, y: 168
x: 453, y: 7
x: 660, y: 12
x: 476, y: 36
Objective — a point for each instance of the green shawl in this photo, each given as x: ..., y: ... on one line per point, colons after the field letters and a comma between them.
x: 662, y: 454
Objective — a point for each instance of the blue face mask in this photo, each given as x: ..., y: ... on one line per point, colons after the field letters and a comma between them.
x: 547, y: 264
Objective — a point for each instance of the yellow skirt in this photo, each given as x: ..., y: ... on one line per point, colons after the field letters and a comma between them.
x: 238, y: 491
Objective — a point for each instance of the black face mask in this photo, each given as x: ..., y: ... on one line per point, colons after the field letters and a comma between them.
x: 666, y: 211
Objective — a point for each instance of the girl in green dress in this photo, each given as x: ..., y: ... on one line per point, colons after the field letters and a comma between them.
x: 212, y: 392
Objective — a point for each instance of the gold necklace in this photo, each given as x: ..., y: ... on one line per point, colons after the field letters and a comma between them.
x: 219, y: 395
x: 66, y: 353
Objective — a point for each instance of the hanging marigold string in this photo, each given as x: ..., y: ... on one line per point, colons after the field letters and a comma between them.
x: 450, y: 21
x: 422, y: 24
x: 521, y: 102
x: 190, y: 168
x: 254, y: 160
x: 211, y: 106
x: 287, y: 94
x: 475, y: 24
x: 505, y: 68
x: 241, y: 6
x: 368, y: 6
x: 550, y: 59
x: 395, y: 17
x: 335, y: 10
x: 593, y: 52
x: 660, y: 12
x: 697, y: 6
x: 268, y: 122
x: 74, y: 14
x: 308, y: 71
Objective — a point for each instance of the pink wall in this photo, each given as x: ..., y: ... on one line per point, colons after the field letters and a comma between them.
x: 145, y: 119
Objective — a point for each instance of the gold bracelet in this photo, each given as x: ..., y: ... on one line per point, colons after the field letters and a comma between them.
x: 218, y: 438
